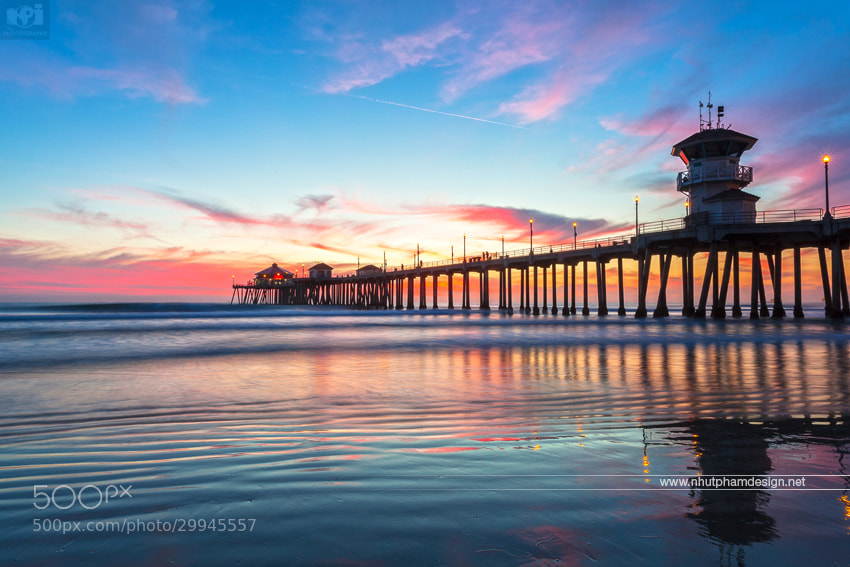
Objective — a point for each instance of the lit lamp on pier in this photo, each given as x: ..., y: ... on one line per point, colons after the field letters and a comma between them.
x: 234, y: 280
x: 531, y: 233
x: 687, y: 206
x: 637, y: 229
x: 503, y: 245
x: 453, y: 253
x: 575, y: 236
x: 826, y: 181
x: 464, y: 248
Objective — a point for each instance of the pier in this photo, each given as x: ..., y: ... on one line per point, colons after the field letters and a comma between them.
x: 722, y: 226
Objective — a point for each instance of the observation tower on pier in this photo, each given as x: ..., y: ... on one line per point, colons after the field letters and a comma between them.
x: 714, y: 179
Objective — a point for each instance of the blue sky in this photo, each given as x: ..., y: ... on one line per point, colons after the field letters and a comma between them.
x: 153, y: 149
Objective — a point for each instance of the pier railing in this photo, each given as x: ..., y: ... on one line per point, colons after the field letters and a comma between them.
x: 841, y: 212
x: 757, y: 217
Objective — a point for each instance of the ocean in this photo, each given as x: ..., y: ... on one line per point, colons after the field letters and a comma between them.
x: 197, y: 434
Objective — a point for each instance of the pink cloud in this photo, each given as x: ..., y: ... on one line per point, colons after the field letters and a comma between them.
x: 516, y: 44
x: 544, y: 102
x: 52, y: 271
x: 370, y: 64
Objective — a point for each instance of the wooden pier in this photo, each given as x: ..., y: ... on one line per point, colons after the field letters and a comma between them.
x: 722, y: 224
x: 775, y: 236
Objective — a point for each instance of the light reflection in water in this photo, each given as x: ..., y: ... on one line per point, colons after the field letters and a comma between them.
x: 431, y: 449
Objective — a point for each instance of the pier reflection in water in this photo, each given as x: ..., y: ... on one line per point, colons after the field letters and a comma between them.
x: 425, y: 440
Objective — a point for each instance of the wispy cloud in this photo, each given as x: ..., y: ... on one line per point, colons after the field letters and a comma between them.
x: 370, y: 63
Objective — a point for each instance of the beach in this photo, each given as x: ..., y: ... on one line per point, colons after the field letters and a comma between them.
x: 199, y: 434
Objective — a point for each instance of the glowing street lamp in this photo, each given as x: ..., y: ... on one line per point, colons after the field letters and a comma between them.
x: 575, y: 236
x: 464, y: 248
x: 687, y: 206
x: 531, y: 234
x: 826, y: 180
x: 503, y: 245
x: 637, y: 229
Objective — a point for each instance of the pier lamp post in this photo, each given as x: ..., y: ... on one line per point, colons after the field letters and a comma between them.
x: 234, y: 280
x: 417, y: 255
x: 503, y: 245
x: 826, y: 181
x: 637, y: 229
x: 575, y: 236
x: 453, y: 253
x: 302, y: 270
x: 464, y: 248
x: 531, y: 234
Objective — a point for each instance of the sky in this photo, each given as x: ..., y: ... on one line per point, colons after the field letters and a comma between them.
x: 159, y: 150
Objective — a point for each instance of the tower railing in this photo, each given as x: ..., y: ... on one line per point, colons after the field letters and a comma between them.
x: 714, y: 172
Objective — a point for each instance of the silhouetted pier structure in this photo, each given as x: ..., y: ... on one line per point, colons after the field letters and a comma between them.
x: 776, y: 236
x: 721, y: 222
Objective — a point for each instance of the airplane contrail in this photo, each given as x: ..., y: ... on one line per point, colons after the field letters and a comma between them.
x: 439, y: 112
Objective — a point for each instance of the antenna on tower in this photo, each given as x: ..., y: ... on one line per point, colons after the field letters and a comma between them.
x: 707, y: 124
x: 700, y: 116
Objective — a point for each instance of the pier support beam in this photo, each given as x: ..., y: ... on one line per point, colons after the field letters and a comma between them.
x: 423, y: 304
x: 601, y: 290
x: 710, y: 269
x: 736, y: 286
x: 778, y: 308
x: 837, y: 270
x: 764, y: 311
x: 798, y: 285
x: 508, y: 282
x: 527, y: 290
x: 434, y: 291
x: 718, y: 310
x: 661, y: 309
x: 554, y: 288
x: 536, y: 310
x: 484, y: 300
x: 545, y: 309
x: 755, y: 284
x: 573, y: 291
x: 586, y: 309
x: 644, y: 265
x: 824, y: 274
x: 621, y: 310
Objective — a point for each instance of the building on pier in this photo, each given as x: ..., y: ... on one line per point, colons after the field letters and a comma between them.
x: 714, y: 178
x: 321, y: 272
x: 274, y: 275
x: 369, y: 270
